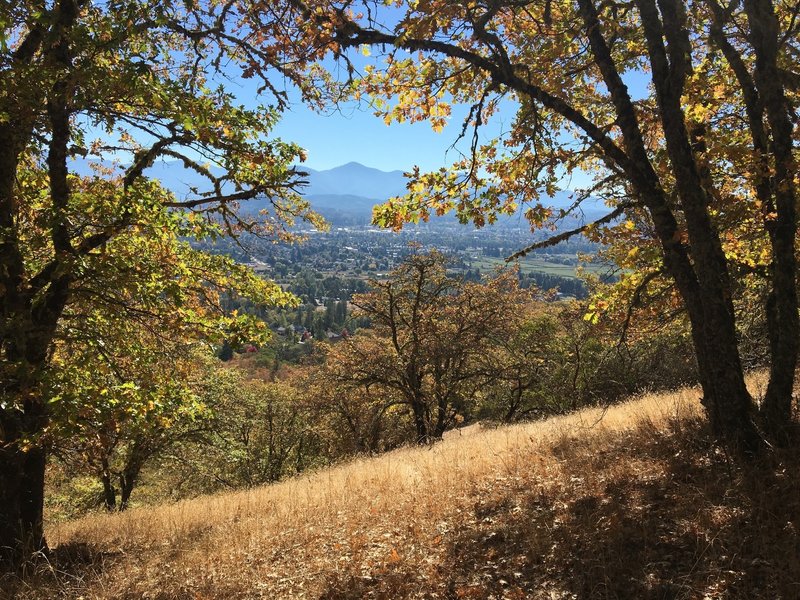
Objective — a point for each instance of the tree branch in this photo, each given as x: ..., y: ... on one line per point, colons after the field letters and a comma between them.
x: 561, y: 237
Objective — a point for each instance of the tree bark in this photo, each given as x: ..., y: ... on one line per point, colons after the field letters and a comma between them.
x: 109, y: 491
x: 21, y: 498
x: 129, y: 476
x: 126, y: 484
x: 12, y: 531
x: 420, y: 422
x: 764, y: 93
x: 726, y: 398
x: 703, y: 280
x: 782, y: 318
x: 29, y: 308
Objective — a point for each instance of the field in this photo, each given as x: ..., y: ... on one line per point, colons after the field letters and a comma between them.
x: 630, y: 502
x: 533, y: 264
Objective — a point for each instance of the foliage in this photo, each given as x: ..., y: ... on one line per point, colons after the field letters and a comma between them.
x: 115, y: 413
x: 421, y: 355
x: 257, y: 432
x: 444, y: 352
x: 557, y: 362
x: 358, y: 417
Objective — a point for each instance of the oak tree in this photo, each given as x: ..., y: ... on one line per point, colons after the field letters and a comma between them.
x: 429, y: 332
x: 119, y: 85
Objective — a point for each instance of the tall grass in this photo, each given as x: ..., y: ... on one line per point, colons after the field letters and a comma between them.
x: 632, y: 501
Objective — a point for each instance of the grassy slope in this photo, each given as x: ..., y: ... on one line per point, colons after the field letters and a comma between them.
x: 636, y: 505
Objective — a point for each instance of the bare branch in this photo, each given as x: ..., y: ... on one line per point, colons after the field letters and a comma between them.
x: 561, y: 237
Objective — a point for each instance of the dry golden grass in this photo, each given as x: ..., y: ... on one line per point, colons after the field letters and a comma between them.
x: 631, y: 502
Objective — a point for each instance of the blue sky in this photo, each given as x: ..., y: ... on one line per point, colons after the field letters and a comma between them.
x: 354, y: 133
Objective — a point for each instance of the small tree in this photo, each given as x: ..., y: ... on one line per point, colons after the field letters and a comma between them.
x: 358, y: 414
x: 115, y: 414
x: 429, y: 330
x: 255, y: 433
x: 524, y: 368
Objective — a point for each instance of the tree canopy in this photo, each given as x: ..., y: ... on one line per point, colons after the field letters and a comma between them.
x: 424, y: 351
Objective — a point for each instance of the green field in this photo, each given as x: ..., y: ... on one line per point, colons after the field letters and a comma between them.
x: 534, y: 264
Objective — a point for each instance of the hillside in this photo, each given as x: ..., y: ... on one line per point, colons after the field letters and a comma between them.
x: 630, y: 502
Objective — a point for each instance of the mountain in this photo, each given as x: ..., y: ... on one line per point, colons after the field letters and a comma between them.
x: 351, y: 179
x: 343, y: 209
x: 344, y: 195
x: 354, y: 179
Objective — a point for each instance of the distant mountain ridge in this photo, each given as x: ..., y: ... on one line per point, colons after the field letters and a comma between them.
x: 346, y: 194
x: 343, y: 194
x: 354, y: 179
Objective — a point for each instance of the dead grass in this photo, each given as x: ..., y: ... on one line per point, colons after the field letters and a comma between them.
x: 632, y: 502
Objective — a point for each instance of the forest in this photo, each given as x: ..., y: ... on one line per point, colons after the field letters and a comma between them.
x: 141, y: 355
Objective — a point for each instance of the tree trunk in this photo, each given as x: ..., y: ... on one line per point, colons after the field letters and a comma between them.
x: 782, y: 318
x: 516, y: 401
x: 23, y: 418
x: 30, y: 307
x: 726, y: 398
x: 33, y: 497
x: 763, y: 94
x: 109, y: 491
x: 22, y: 460
x: 21, y: 504
x: 699, y: 268
x: 727, y: 402
x: 127, y: 481
x: 420, y: 420
x: 441, y: 417
x: 776, y: 409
